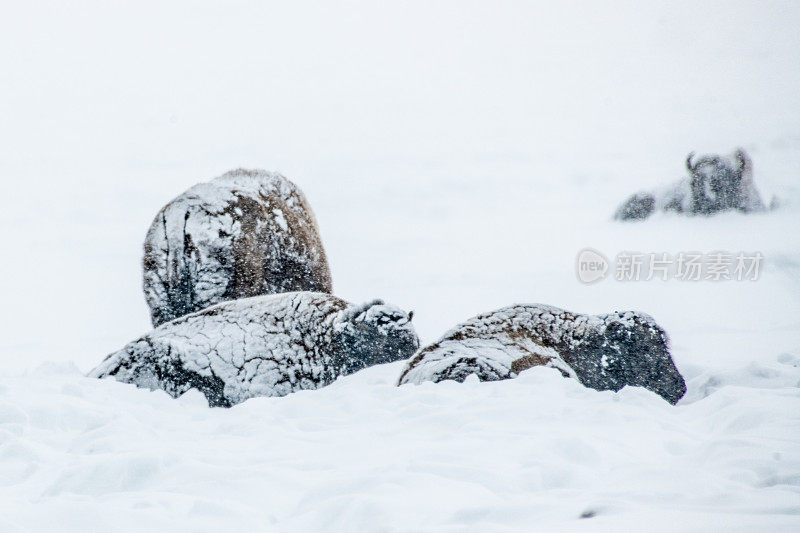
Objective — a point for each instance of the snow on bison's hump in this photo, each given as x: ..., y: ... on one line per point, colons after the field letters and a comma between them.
x: 245, y: 233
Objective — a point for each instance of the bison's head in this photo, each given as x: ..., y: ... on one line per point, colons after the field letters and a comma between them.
x: 373, y: 333
x: 717, y: 182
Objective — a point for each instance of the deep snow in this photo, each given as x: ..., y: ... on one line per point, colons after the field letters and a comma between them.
x: 457, y: 157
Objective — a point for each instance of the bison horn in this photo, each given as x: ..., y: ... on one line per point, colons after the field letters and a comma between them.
x: 689, y: 165
x: 741, y: 158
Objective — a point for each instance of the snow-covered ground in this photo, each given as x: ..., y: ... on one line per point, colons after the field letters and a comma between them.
x: 458, y: 156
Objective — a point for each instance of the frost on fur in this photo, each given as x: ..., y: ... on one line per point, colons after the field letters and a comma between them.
x: 715, y: 183
x: 246, y: 233
x: 604, y: 352
x: 263, y: 346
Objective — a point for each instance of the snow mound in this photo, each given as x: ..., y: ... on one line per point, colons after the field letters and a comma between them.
x: 263, y: 346
x: 245, y: 233
x: 604, y: 352
x: 362, y: 455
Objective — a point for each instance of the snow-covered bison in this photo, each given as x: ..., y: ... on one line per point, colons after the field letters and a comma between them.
x: 245, y: 233
x: 715, y: 183
x: 604, y: 352
x: 263, y: 346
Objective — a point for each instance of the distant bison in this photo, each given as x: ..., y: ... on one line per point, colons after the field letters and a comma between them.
x: 604, y: 352
x: 246, y: 233
x: 715, y: 184
x: 263, y: 346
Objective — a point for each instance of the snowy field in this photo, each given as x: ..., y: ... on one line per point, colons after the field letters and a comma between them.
x: 458, y: 156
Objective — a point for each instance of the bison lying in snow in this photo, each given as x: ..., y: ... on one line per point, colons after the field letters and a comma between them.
x: 715, y: 184
x: 604, y: 352
x: 263, y: 346
x: 246, y: 233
